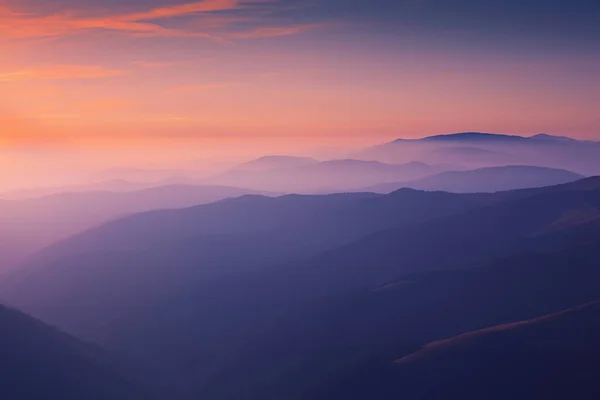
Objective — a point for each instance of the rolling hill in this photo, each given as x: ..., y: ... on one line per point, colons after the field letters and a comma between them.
x: 29, y: 225
x: 202, y: 243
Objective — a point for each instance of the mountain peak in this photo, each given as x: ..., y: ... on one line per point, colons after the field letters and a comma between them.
x: 546, y: 137
x: 473, y: 136
x: 466, y: 136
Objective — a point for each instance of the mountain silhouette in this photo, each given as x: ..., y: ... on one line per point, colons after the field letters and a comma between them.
x: 473, y: 150
x: 474, y: 136
x: 491, y: 179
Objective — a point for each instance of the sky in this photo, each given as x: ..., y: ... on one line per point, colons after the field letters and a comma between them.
x: 157, y: 81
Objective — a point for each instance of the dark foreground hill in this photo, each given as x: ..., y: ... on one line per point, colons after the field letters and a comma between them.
x: 341, y: 347
x: 38, y: 362
x: 552, y: 357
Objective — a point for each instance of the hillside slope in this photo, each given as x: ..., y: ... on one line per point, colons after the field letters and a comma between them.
x: 39, y: 362
x: 551, y: 357
x: 29, y: 225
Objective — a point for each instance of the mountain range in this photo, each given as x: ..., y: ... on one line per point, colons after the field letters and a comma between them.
x: 457, y: 281
x: 301, y: 175
x: 478, y: 150
x: 490, y: 179
x: 294, y: 297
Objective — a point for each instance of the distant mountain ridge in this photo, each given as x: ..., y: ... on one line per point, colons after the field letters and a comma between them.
x: 490, y: 179
x: 474, y: 136
x: 302, y: 175
x: 474, y: 150
x: 483, y: 136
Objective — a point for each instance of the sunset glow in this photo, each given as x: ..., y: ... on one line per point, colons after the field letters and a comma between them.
x: 288, y: 75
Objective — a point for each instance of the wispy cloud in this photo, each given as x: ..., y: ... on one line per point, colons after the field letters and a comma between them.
x: 145, y: 23
x: 188, y: 8
x: 60, y: 72
x: 273, y: 31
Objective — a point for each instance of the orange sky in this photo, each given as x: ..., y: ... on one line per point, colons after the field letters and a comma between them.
x: 238, y: 78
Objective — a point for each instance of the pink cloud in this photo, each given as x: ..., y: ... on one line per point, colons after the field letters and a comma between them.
x: 15, y: 24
